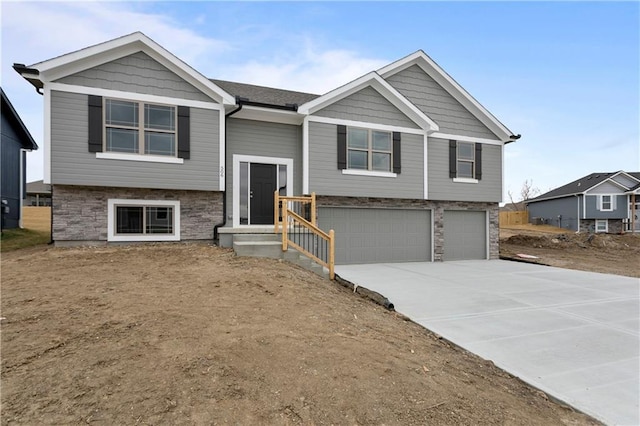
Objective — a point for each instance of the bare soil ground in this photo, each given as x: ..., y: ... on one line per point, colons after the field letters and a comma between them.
x: 177, y: 333
x: 605, y: 253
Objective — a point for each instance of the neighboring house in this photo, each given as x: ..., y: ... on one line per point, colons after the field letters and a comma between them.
x: 139, y: 146
x: 16, y: 141
x: 599, y: 202
x: 38, y: 194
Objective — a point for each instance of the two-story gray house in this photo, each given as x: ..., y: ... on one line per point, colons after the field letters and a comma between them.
x: 598, y: 202
x: 139, y: 146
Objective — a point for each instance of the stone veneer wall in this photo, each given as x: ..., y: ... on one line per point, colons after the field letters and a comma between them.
x: 437, y: 207
x: 615, y: 226
x: 80, y: 212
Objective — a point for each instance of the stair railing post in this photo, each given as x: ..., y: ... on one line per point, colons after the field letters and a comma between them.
x: 313, y: 209
x: 285, y: 226
x: 331, y: 254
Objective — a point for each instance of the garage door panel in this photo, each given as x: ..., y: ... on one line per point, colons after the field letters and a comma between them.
x: 465, y: 235
x: 378, y: 235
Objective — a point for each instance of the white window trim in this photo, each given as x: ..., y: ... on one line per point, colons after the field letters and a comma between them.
x: 139, y: 157
x: 473, y: 163
x: 465, y: 180
x: 606, y: 225
x: 237, y: 159
x: 359, y: 172
x: 111, y: 220
x: 601, y: 202
x: 140, y: 128
x: 369, y: 150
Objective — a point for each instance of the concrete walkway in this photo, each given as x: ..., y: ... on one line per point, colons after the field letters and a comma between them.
x: 575, y: 335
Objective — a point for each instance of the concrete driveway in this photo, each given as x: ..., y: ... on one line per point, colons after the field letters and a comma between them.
x: 575, y: 335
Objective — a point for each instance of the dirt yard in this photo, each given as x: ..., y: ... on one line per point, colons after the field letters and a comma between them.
x: 605, y: 253
x: 176, y: 333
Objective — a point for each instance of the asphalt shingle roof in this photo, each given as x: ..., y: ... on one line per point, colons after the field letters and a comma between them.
x: 266, y: 95
x: 579, y: 186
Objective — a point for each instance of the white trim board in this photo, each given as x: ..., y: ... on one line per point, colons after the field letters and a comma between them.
x: 368, y: 125
x: 111, y: 220
x: 107, y: 93
x: 462, y: 138
x: 239, y: 158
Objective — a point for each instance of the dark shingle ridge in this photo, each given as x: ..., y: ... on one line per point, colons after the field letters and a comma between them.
x: 262, y: 94
x: 579, y: 185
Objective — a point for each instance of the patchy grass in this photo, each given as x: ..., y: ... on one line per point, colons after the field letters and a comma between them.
x: 15, y: 239
x: 37, y: 230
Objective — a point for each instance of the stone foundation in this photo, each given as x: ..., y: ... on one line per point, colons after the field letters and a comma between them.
x: 615, y: 226
x: 437, y: 208
x: 80, y: 212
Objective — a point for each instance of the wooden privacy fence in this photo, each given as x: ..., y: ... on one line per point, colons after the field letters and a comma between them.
x: 514, y: 218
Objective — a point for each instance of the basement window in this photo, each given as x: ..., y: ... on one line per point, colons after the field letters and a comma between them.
x: 143, y: 220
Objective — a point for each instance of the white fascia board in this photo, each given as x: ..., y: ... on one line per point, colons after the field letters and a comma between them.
x: 432, y: 69
x: 466, y: 138
x: 373, y: 80
x: 622, y: 172
x: 89, y: 57
x: 141, y: 97
x: 269, y: 114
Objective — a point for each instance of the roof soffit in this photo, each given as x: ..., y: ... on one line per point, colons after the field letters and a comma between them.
x: 71, y: 63
x: 376, y: 82
x: 431, y: 68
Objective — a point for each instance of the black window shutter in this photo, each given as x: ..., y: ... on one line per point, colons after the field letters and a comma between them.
x: 95, y: 123
x: 184, y: 132
x: 453, y: 159
x: 342, y: 147
x: 478, y: 161
x: 396, y: 152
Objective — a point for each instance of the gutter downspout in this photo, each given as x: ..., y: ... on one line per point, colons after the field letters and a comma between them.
x: 216, y: 237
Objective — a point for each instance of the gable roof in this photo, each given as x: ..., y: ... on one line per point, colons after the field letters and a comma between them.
x: 582, y: 185
x: 89, y: 57
x: 25, y: 138
x: 265, y: 95
x: 376, y: 82
x: 432, y: 69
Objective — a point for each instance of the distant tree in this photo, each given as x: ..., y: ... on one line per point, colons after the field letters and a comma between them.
x: 527, y: 191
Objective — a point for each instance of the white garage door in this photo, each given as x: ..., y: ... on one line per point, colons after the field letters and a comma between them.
x: 465, y: 235
x: 366, y: 235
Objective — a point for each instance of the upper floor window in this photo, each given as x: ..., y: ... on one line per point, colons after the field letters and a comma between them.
x: 369, y: 149
x: 466, y: 160
x: 606, y: 203
x: 140, y: 128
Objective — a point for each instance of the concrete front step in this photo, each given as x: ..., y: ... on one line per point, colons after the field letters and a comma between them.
x: 270, y: 246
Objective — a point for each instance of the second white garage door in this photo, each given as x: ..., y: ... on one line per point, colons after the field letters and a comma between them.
x: 465, y: 235
x: 366, y: 235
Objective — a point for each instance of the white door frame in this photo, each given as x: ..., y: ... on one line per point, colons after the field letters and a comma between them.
x: 237, y: 159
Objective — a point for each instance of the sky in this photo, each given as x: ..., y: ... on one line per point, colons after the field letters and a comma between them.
x: 564, y: 75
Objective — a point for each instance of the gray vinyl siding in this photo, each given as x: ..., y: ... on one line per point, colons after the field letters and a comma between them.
x: 569, y: 208
x: 260, y: 138
x: 626, y: 181
x: 442, y: 187
x: 438, y: 104
x: 138, y: 73
x: 326, y: 179
x: 620, y: 208
x: 367, y: 106
x: 72, y: 164
x: 606, y: 188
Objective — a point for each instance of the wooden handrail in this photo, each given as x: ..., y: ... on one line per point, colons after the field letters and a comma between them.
x: 310, y: 227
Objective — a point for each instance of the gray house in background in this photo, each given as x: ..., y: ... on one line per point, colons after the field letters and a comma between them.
x: 139, y: 146
x: 38, y: 194
x: 16, y: 141
x: 599, y: 202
